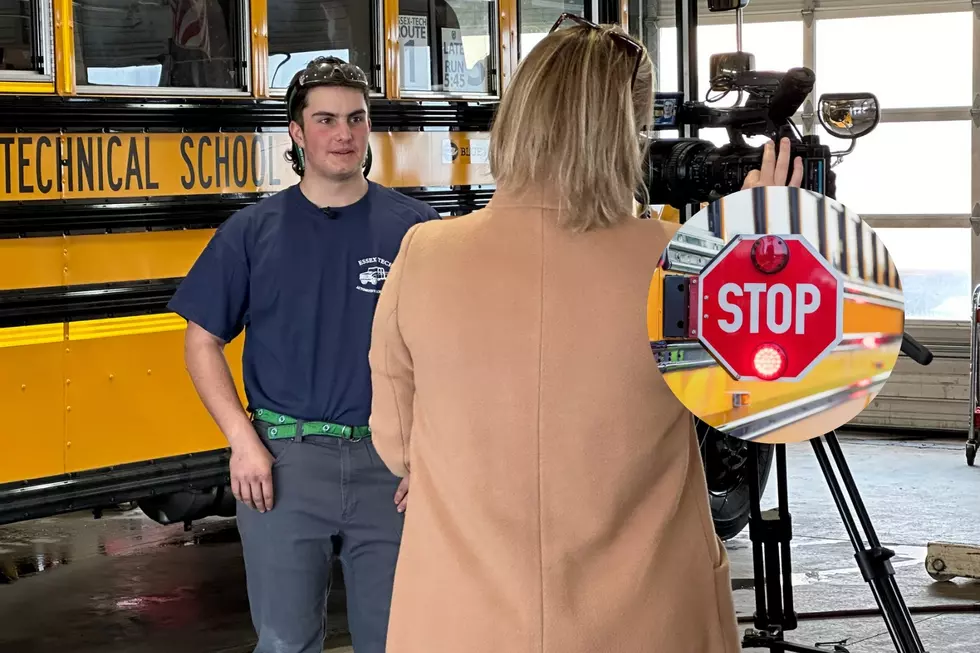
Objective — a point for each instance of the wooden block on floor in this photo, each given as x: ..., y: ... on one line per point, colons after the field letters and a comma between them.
x: 949, y: 560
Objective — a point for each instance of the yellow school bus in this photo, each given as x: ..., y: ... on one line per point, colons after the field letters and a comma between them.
x: 842, y: 383
x: 129, y: 130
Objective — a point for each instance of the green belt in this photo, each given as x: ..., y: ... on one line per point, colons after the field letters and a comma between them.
x: 282, y: 426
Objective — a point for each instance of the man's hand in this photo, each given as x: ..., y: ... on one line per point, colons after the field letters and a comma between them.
x: 775, y: 169
x: 251, y: 475
x: 401, y: 495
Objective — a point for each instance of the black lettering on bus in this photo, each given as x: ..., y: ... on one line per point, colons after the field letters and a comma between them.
x: 7, y: 141
x: 23, y: 163
x: 258, y: 161
x: 66, y: 162
x: 85, y: 164
x: 205, y: 140
x: 42, y: 185
x: 221, y: 160
x: 115, y: 183
x: 101, y: 176
x: 59, y: 153
x: 150, y: 184
x: 240, y: 164
x: 133, y: 166
x: 185, y: 181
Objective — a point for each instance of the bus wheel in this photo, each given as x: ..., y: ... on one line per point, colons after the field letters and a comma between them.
x: 726, y: 465
x: 189, y: 505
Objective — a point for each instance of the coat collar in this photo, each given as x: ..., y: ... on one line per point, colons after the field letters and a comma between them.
x: 534, y: 196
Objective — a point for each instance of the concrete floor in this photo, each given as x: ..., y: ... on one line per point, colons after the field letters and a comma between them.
x: 123, y: 584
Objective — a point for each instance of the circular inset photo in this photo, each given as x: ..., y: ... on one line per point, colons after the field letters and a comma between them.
x: 776, y: 315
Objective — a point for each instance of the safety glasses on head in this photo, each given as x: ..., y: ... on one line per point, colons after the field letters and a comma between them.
x: 326, y: 71
x: 628, y: 43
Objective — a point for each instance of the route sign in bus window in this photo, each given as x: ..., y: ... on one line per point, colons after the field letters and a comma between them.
x: 300, y: 31
x: 447, y: 46
x: 183, y: 44
x: 537, y: 18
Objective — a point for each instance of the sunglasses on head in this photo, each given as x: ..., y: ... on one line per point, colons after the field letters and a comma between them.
x: 622, y: 39
x: 326, y: 71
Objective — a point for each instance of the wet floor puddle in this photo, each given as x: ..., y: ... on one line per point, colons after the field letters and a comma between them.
x: 28, y: 549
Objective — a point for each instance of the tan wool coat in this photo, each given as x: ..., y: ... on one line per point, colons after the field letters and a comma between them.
x: 557, y: 502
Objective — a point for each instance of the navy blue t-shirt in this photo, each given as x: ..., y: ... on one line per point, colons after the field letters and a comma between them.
x: 304, y: 286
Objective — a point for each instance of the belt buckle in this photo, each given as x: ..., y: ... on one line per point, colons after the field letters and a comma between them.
x: 348, y: 434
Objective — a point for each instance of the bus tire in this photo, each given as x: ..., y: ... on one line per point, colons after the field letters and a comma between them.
x: 725, y: 460
x: 189, y: 505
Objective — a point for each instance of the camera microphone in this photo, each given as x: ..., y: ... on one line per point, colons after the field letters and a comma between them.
x: 329, y: 212
x: 793, y: 88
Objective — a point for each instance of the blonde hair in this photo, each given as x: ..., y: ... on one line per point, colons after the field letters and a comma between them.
x: 569, y: 121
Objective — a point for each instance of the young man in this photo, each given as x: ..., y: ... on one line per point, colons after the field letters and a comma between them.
x: 300, y: 272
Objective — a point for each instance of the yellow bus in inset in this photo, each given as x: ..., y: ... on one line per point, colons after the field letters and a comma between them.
x: 843, y: 382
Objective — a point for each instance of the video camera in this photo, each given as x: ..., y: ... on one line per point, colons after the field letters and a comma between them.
x: 691, y: 170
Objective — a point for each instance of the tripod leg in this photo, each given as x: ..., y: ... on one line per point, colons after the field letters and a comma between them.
x: 756, y: 532
x: 873, y: 561
x: 786, y: 534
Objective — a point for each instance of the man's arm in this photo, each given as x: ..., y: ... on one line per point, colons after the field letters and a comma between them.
x: 213, y: 298
x: 251, y: 462
x: 208, y: 368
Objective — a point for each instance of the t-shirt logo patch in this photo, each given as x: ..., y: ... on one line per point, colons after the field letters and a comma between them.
x: 372, y: 274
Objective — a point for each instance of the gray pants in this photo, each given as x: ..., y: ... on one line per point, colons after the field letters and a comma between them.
x: 323, y: 487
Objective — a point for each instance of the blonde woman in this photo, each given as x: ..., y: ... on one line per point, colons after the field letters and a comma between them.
x: 556, y: 500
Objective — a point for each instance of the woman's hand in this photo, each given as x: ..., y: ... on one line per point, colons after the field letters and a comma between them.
x: 775, y: 169
x: 401, y: 495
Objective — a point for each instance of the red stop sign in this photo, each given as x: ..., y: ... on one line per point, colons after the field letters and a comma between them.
x: 769, y: 307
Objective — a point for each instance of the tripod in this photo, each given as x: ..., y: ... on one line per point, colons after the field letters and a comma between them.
x: 771, y: 533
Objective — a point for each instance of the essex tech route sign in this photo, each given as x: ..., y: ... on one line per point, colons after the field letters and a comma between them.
x: 769, y: 307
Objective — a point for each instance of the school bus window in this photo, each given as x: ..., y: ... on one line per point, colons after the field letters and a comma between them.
x: 868, y: 250
x: 809, y: 225
x: 835, y: 240
x: 536, y: 18
x: 737, y: 211
x: 25, y: 39
x: 881, y: 260
x: 175, y: 44
x: 447, y: 46
x: 301, y: 30
x: 853, y: 252
x: 778, y: 214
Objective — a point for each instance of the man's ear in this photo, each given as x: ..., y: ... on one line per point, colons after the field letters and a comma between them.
x: 296, y: 133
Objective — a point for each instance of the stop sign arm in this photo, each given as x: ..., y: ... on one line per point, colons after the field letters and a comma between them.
x: 683, y: 261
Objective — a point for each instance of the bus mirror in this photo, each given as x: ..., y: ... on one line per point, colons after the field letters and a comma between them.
x: 848, y: 115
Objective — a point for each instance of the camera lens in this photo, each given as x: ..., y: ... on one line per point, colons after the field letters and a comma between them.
x: 690, y: 170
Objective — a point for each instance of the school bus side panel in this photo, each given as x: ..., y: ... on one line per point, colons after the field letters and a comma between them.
x: 32, y: 262
x: 130, y: 397
x: 32, y: 361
